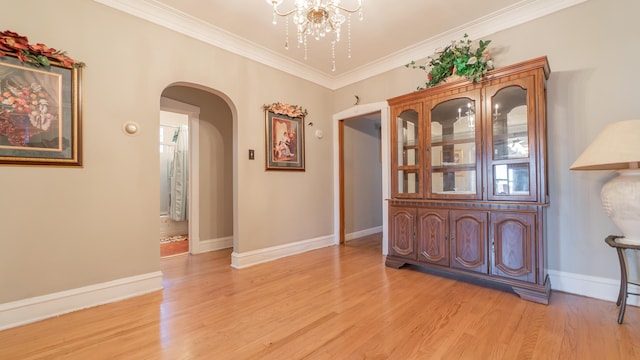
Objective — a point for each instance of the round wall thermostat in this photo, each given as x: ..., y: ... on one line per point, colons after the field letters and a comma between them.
x: 319, y: 134
x: 131, y: 128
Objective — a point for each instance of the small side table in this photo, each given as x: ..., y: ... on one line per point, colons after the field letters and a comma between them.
x: 624, y: 281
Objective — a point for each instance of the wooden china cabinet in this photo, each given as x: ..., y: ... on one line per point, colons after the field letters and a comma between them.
x: 469, y: 178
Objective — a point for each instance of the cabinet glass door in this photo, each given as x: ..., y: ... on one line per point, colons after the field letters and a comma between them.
x: 512, y: 141
x: 406, y: 151
x: 510, y: 132
x: 454, y: 151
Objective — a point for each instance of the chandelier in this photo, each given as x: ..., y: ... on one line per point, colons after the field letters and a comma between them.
x: 319, y: 19
x: 469, y: 116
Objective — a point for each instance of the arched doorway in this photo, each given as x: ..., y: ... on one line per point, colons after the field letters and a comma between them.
x: 211, y: 165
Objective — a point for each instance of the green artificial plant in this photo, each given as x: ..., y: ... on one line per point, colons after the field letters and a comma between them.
x: 458, y: 58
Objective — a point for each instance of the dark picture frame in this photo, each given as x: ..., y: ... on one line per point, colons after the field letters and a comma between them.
x: 40, y: 113
x: 284, y: 137
x: 451, y: 157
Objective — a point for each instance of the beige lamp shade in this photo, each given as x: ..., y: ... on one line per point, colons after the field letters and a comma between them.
x: 617, y: 147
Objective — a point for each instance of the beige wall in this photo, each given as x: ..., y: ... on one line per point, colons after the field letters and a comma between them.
x: 362, y: 175
x: 593, y: 53
x: 64, y: 228
x: 216, y: 160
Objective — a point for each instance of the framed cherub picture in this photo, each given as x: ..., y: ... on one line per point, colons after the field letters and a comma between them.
x: 284, y: 132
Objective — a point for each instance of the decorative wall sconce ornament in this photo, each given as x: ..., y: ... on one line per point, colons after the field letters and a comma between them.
x: 131, y: 128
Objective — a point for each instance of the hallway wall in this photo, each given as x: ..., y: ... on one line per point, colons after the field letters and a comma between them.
x: 67, y: 227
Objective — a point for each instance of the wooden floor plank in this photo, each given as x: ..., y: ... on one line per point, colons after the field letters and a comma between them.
x: 334, y: 303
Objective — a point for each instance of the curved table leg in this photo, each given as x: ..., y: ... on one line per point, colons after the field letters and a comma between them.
x: 622, y: 295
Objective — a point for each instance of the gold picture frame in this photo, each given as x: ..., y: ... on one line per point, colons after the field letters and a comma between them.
x: 40, y: 105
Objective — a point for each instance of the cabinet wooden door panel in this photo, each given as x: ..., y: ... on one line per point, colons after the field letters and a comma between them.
x: 469, y: 240
x: 514, y: 245
x: 402, y: 226
x: 433, y: 229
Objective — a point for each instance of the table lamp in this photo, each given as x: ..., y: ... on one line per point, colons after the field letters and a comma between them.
x: 617, y: 147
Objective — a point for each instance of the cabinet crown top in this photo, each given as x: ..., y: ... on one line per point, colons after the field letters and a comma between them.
x: 532, y: 64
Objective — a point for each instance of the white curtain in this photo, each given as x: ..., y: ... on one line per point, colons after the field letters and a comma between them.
x: 180, y: 176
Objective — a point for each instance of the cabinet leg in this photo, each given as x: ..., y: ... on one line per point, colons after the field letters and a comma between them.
x: 394, y: 263
x: 540, y: 296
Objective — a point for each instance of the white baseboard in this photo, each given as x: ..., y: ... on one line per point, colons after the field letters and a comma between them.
x: 255, y: 257
x: 215, y: 244
x: 590, y: 286
x: 362, y: 233
x: 38, y: 308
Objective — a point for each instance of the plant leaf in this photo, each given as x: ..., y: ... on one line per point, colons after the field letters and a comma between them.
x: 43, y: 60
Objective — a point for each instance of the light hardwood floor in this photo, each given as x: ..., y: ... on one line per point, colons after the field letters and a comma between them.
x: 334, y: 303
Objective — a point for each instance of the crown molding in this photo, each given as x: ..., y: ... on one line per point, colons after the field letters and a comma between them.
x: 173, y: 19
x: 503, y: 19
x: 183, y: 23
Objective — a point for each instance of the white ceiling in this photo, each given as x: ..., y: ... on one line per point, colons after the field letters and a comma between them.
x: 391, y: 34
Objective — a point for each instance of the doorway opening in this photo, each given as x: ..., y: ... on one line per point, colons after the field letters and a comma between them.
x: 174, y: 181
x: 211, y: 174
x: 361, y: 160
x: 380, y: 112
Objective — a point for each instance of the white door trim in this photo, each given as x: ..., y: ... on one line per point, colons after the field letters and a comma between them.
x: 193, y: 112
x: 354, y: 111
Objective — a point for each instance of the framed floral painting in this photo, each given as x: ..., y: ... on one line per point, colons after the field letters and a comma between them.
x: 284, y: 129
x: 40, y: 105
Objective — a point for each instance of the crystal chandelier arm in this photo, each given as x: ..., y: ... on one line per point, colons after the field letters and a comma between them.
x: 275, y: 10
x: 275, y: 4
x: 349, y: 10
